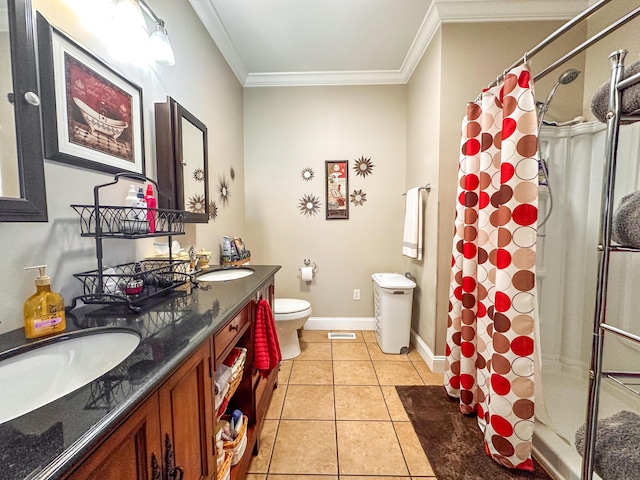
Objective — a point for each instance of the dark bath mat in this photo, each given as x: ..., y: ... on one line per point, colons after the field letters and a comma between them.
x: 453, y: 442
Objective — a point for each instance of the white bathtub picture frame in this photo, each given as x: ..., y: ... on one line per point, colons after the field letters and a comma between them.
x: 91, y: 114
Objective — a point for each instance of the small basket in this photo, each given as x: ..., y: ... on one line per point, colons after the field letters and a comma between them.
x: 238, y: 446
x: 236, y: 378
x: 233, y: 386
x: 224, y: 472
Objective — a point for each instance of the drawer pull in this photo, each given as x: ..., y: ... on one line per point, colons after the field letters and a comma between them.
x: 233, y: 328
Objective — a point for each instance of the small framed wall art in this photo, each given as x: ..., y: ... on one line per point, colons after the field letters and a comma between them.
x: 337, y: 182
x: 91, y: 114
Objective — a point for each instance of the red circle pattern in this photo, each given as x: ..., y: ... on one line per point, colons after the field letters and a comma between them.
x: 484, y: 333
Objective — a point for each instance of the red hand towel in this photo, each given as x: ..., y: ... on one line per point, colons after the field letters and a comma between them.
x: 266, y: 349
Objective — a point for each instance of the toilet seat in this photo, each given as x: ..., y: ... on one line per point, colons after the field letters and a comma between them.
x: 290, y: 308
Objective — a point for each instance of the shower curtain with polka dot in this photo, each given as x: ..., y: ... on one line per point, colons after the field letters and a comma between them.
x: 490, y: 332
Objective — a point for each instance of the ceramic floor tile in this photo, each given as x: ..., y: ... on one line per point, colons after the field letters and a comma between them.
x: 414, y: 355
x: 255, y: 476
x: 346, y: 372
x: 412, y: 450
x: 369, y: 335
x: 277, y: 400
x: 350, y: 351
x: 314, y: 351
x: 368, y: 477
x: 359, y: 337
x: 369, y: 448
x: 377, y: 354
x: 260, y: 463
x: 428, y: 377
x: 315, y: 336
x: 360, y: 403
x: 305, y: 447
x: 394, y: 404
x: 302, y: 477
x: 311, y: 372
x: 397, y: 373
x: 309, y: 402
x: 285, y: 372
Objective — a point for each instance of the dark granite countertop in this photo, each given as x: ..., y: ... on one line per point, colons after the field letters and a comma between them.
x: 47, y: 442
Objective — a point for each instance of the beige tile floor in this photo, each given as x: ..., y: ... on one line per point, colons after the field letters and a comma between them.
x: 336, y: 414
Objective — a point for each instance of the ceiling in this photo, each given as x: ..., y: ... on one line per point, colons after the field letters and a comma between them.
x: 347, y: 42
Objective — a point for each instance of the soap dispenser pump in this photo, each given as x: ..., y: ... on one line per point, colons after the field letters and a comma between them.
x: 44, y: 310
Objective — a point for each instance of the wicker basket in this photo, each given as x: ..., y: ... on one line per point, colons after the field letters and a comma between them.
x: 236, y: 378
x: 238, y: 446
x: 224, y: 472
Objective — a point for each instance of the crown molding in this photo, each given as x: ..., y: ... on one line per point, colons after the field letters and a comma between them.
x: 212, y: 22
x: 440, y: 11
x: 464, y: 11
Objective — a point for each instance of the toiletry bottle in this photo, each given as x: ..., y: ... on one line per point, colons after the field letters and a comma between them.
x: 131, y: 200
x: 151, y: 205
x: 44, y: 310
x: 142, y: 203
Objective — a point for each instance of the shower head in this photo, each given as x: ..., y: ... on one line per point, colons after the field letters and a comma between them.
x: 568, y: 76
x: 564, y: 79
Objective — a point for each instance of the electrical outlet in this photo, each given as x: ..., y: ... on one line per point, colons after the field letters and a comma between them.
x: 356, y: 294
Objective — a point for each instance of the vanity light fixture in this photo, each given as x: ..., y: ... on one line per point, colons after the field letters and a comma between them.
x: 131, y: 17
x: 129, y: 21
x: 160, y: 46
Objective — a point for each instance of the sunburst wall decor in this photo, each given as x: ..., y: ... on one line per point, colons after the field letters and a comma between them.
x: 309, y: 205
x: 307, y: 174
x: 198, y: 175
x: 223, y: 191
x: 213, y: 210
x: 363, y: 166
x: 358, y: 197
x: 196, y: 203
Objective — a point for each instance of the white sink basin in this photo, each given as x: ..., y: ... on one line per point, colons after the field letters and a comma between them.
x: 41, y: 375
x: 225, y: 274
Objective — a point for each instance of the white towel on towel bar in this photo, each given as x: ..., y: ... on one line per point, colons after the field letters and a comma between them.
x: 412, y: 238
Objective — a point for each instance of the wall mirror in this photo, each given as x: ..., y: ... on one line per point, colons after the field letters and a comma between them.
x: 182, y: 156
x: 22, y: 186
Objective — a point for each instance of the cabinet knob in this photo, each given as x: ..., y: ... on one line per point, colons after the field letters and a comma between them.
x: 32, y: 98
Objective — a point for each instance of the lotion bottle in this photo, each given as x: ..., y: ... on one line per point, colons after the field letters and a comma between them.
x: 44, y: 310
x: 151, y: 205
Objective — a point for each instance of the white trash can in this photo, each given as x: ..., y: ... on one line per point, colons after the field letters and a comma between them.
x: 392, y: 305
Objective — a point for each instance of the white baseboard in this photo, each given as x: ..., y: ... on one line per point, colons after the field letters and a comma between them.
x: 340, y: 323
x: 435, y: 363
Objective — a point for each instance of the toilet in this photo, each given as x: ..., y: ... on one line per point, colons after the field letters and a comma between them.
x: 290, y: 315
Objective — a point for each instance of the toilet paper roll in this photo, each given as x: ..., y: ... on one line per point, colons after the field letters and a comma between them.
x: 306, y: 273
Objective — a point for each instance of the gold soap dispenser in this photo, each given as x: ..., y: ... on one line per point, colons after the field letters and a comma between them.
x: 44, y: 310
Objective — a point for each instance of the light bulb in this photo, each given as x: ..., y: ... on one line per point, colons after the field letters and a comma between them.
x: 160, y: 46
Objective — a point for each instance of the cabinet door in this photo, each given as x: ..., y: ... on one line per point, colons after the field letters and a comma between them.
x: 128, y: 452
x: 186, y: 416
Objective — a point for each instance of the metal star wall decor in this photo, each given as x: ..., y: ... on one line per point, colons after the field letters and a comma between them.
x: 363, y: 166
x: 196, y: 203
x: 309, y: 205
x: 198, y: 175
x: 358, y: 197
x: 223, y: 191
x: 213, y: 210
x: 307, y: 174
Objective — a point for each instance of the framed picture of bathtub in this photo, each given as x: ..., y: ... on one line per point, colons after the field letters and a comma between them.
x: 91, y: 114
x: 337, y: 184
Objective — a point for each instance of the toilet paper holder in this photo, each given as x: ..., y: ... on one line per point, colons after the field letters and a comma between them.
x: 307, y: 262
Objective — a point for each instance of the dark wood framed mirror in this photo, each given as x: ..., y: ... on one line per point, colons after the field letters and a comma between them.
x: 182, y: 160
x: 22, y: 185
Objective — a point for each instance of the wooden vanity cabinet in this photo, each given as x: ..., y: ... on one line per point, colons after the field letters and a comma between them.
x: 176, y: 418
x: 179, y: 416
